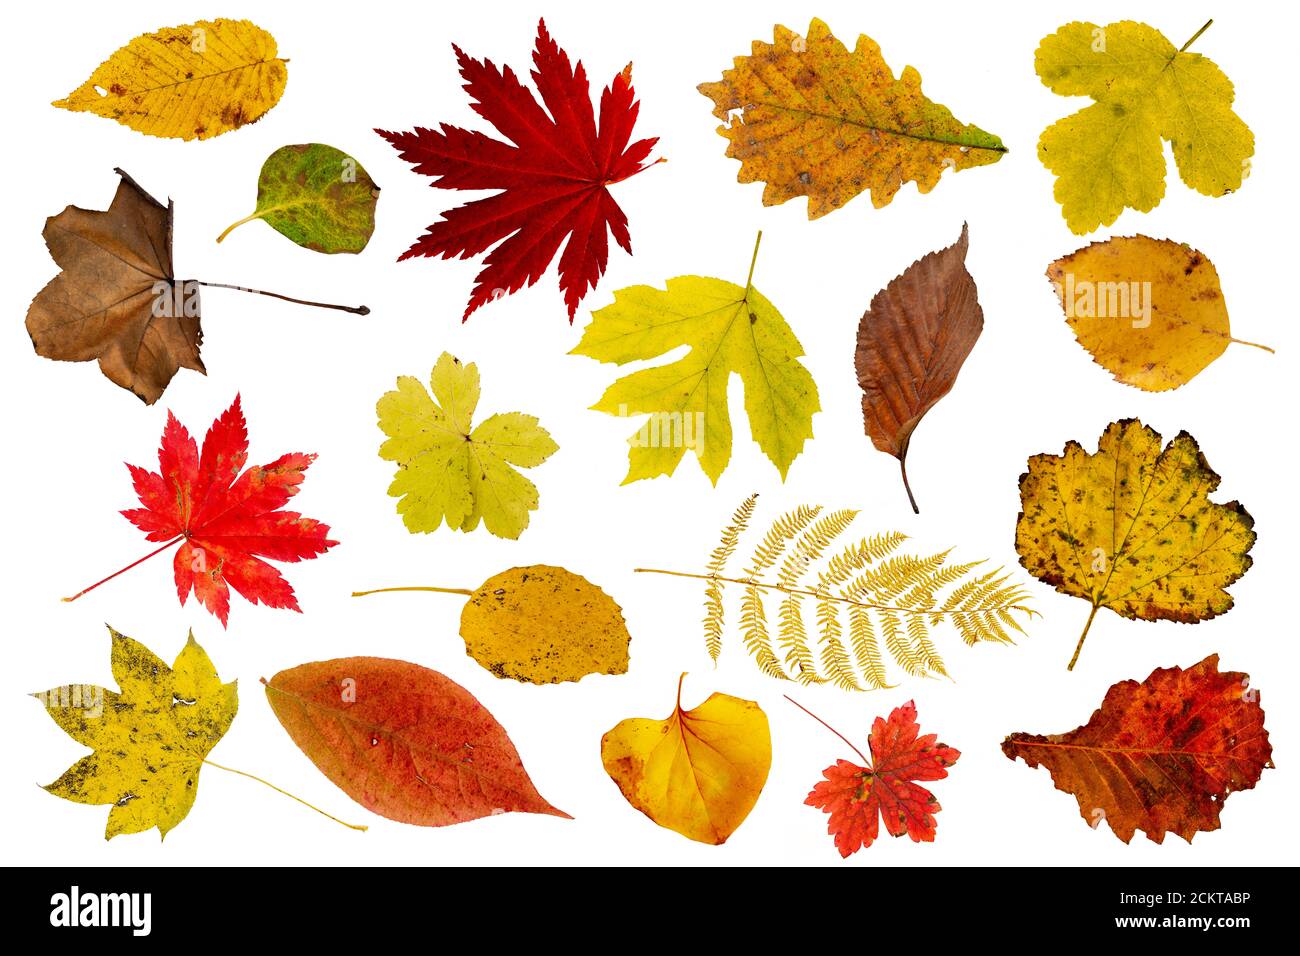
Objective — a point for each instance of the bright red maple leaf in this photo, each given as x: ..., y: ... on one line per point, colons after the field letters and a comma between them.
x: 858, y: 798
x: 224, y: 521
x: 552, y: 179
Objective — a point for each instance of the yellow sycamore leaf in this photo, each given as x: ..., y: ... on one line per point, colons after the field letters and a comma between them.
x: 1149, y: 310
x: 189, y: 82
x: 699, y: 771
x: 150, y: 738
x: 1132, y: 528
x: 451, y: 471
x: 820, y: 121
x: 730, y: 329
x: 1109, y: 156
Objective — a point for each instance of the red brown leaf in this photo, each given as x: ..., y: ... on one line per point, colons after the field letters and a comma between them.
x: 1160, y: 756
x: 403, y: 741
x: 225, y: 519
x: 911, y: 345
x: 552, y: 174
x: 858, y: 797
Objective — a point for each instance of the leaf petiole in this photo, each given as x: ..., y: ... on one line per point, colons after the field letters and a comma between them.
x: 350, y: 826
x: 865, y: 762
x: 354, y: 309
x: 464, y: 591
x: 124, y: 570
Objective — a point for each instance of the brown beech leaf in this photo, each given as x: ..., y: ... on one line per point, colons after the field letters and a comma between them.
x: 911, y: 345
x: 1160, y: 756
x: 403, y: 741
x: 117, y: 268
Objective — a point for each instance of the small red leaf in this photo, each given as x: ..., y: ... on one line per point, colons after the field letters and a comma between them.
x: 225, y: 520
x: 858, y: 798
x: 403, y: 741
x: 552, y: 175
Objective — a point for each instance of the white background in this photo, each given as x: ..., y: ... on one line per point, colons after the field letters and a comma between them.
x: 310, y: 379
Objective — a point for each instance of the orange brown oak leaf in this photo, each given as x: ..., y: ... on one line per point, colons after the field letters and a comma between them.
x: 858, y: 797
x: 1160, y: 756
x: 403, y: 741
x: 225, y: 519
x: 553, y: 175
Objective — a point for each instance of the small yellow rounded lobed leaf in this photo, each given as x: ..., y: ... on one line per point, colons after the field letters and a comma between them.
x: 698, y: 771
x: 544, y: 625
x: 1150, y: 311
x: 189, y: 82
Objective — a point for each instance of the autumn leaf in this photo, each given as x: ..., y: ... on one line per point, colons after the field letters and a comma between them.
x: 1150, y: 311
x: 730, y: 329
x: 800, y: 577
x: 189, y: 82
x: 1109, y: 156
x: 820, y: 121
x: 698, y: 771
x: 1132, y: 528
x: 226, y: 519
x: 403, y: 741
x: 317, y: 196
x: 553, y: 175
x: 150, y: 738
x: 912, y: 342
x: 450, y: 470
x: 1160, y: 756
x: 118, y: 300
x: 540, y: 625
x: 884, y: 787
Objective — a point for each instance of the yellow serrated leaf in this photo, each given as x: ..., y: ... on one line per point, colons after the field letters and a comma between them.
x: 730, y: 329
x: 699, y: 771
x: 820, y: 121
x: 189, y: 82
x: 449, y: 471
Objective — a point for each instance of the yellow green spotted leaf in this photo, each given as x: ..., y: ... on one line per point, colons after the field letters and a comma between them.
x: 451, y: 471
x: 1109, y: 156
x: 148, y: 739
x: 316, y: 195
x: 809, y: 117
x: 1131, y: 527
x: 189, y: 82
x: 729, y: 329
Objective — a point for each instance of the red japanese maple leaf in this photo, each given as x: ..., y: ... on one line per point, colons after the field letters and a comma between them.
x: 859, y: 797
x: 224, y: 521
x: 553, y: 179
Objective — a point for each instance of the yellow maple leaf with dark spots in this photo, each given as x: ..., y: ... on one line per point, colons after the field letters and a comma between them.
x: 820, y: 121
x: 1132, y: 528
x: 149, y: 739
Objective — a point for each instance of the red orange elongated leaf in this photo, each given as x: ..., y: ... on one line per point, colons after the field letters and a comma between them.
x: 911, y: 345
x: 552, y: 175
x: 403, y: 741
x: 225, y: 519
x: 859, y: 797
x: 1160, y: 756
